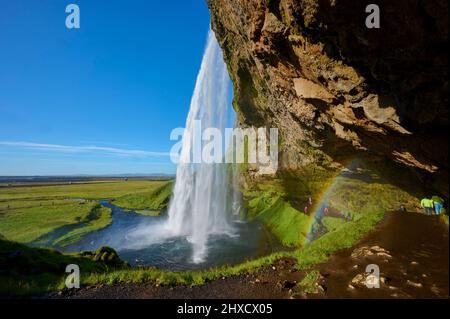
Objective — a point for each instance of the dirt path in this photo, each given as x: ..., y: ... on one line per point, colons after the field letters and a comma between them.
x: 411, y: 251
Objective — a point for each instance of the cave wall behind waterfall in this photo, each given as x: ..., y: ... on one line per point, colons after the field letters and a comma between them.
x: 338, y: 90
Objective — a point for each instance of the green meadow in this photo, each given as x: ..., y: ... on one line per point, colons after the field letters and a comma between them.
x: 28, y: 213
x: 155, y: 197
x: 91, y: 190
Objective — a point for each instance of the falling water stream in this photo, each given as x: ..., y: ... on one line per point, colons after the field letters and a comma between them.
x: 199, y: 206
x: 202, y: 227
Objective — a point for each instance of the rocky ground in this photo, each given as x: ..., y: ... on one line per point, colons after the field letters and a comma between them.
x: 410, y: 249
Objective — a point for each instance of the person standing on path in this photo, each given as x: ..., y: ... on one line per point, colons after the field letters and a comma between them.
x: 438, y: 204
x: 427, y: 205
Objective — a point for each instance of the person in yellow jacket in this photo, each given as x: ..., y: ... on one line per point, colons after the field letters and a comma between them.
x: 428, y: 205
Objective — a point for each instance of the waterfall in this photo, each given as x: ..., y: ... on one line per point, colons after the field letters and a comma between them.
x: 199, y: 206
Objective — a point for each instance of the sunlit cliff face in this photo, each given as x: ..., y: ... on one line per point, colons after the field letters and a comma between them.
x: 337, y: 89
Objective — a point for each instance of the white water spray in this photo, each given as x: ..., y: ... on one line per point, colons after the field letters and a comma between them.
x: 199, y: 205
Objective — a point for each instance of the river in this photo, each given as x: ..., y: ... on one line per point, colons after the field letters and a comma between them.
x: 144, y: 241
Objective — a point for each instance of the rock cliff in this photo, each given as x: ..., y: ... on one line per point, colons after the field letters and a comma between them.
x: 338, y: 90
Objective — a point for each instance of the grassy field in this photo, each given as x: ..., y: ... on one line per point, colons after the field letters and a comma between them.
x: 99, y: 217
x: 273, y: 203
x: 28, y: 223
x: 155, y: 198
x: 100, y: 190
x: 38, y: 214
x: 332, y: 223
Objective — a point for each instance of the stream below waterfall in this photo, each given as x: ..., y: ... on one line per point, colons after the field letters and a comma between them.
x: 143, y: 241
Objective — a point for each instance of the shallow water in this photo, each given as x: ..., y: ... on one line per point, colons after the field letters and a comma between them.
x: 144, y: 241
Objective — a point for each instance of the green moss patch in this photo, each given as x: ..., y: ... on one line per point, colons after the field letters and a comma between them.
x: 288, y: 224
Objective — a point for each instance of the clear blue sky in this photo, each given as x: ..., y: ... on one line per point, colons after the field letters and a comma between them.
x: 102, y: 99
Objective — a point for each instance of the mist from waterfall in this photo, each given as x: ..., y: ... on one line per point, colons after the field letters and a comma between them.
x: 201, y: 204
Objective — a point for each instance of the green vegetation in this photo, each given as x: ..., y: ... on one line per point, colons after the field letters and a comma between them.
x: 58, y: 215
x: 353, y: 195
x: 93, y: 190
x: 314, y: 252
x: 332, y: 223
x: 343, y: 237
x: 99, y: 217
x: 309, y: 282
x: 274, y: 203
x: 155, y: 198
x: 26, y: 270
x: 278, y: 202
x: 286, y: 223
x: 26, y: 224
x: 149, y: 213
x: 189, y: 278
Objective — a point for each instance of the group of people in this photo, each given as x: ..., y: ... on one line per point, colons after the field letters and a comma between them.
x: 318, y: 227
x: 432, y: 205
x: 325, y: 211
x: 346, y: 217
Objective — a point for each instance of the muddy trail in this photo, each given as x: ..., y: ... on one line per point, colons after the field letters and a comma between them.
x: 410, y: 249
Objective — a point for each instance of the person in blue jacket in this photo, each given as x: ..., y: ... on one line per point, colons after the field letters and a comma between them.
x: 438, y: 204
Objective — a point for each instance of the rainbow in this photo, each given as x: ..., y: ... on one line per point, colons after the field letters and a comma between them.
x: 322, y: 198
